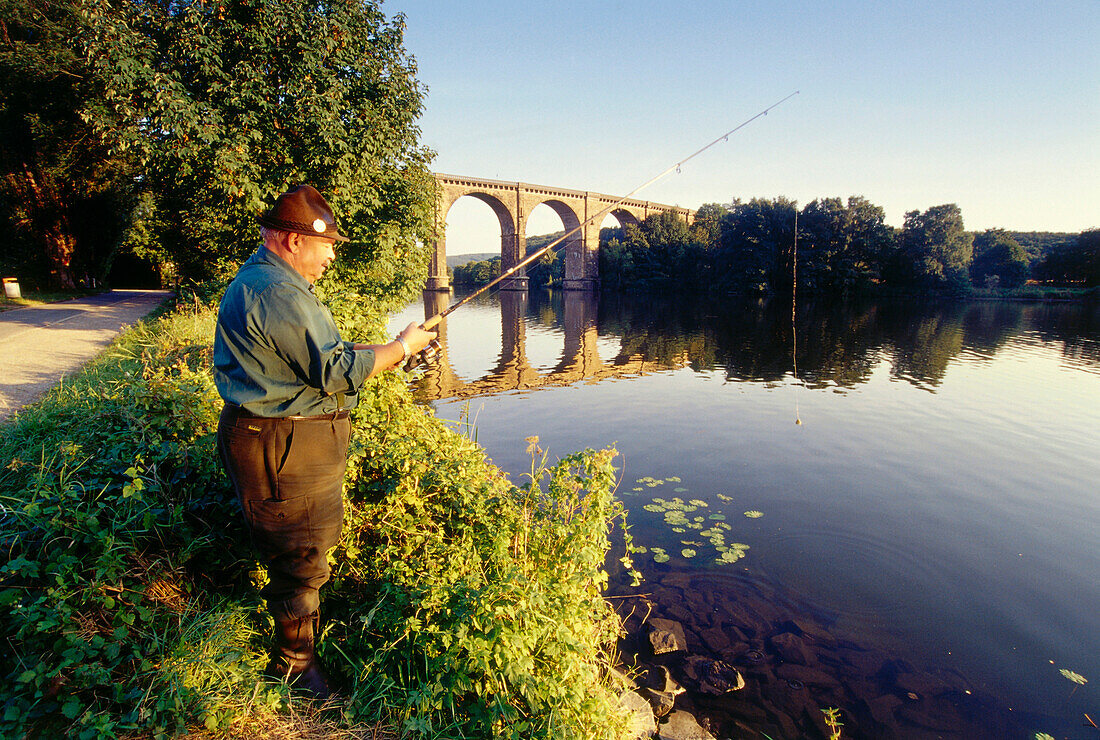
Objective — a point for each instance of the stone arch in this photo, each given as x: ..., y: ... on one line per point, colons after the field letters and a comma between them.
x: 572, y: 249
x: 512, y: 203
x: 437, y: 271
x: 625, y: 217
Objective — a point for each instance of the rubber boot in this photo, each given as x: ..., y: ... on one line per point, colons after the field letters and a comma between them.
x: 294, y: 659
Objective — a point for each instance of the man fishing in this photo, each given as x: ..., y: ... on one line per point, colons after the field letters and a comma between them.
x: 288, y: 381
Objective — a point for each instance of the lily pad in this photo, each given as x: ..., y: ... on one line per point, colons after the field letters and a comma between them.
x: 1077, y: 678
x: 717, y: 517
x: 754, y: 514
x: 660, y: 557
x: 730, y: 556
x: 687, y: 552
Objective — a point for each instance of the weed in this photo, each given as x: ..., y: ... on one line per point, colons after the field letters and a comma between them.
x: 832, y: 721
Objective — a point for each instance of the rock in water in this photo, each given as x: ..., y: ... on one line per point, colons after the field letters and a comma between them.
x: 714, y: 677
x: 642, y: 722
x: 666, y: 636
x: 682, y: 726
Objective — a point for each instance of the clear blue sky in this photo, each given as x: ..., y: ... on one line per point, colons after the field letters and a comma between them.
x: 994, y: 106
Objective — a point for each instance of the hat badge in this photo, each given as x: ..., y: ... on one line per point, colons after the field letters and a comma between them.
x: 319, y: 226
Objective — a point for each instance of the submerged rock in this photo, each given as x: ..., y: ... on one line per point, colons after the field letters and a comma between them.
x: 666, y: 636
x: 642, y: 723
x: 712, y: 677
x: 682, y: 726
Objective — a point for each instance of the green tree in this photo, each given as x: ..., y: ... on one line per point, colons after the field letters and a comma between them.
x: 546, y: 270
x: 65, y: 192
x: 1074, y: 263
x: 756, y: 248
x: 841, y: 246
x: 999, y: 260
x: 934, y: 250
x: 706, y: 229
x: 227, y: 104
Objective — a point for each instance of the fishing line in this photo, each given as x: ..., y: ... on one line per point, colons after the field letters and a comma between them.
x: 434, y: 320
x: 794, y: 313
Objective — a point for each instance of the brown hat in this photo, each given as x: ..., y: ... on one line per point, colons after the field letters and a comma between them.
x: 302, y: 210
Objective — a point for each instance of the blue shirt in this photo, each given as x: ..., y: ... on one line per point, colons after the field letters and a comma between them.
x: 277, y: 351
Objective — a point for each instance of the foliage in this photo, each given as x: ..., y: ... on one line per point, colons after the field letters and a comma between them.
x: 492, y: 591
x: 658, y: 254
x: 832, y: 721
x: 477, y: 273
x: 1038, y: 244
x: 461, y: 605
x: 933, y: 250
x: 841, y: 246
x: 110, y: 489
x: 999, y: 260
x: 548, y: 270
x: 757, y: 246
x: 64, y: 190
x: 1074, y: 263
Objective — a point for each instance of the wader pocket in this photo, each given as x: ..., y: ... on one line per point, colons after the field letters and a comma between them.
x: 280, y: 527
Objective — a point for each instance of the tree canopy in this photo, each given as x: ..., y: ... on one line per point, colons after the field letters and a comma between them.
x: 64, y: 194
x: 202, y: 113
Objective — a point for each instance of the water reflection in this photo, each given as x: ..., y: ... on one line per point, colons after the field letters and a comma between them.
x: 937, y: 506
x: 838, y: 344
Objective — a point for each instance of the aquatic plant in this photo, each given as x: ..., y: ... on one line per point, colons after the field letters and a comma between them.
x: 832, y: 720
x: 1077, y: 678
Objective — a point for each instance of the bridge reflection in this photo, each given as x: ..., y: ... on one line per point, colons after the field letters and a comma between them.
x: 579, y: 361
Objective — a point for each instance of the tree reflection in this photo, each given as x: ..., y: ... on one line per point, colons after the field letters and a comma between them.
x: 839, y: 344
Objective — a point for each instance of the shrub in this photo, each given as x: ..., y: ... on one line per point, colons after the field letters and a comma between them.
x: 461, y: 605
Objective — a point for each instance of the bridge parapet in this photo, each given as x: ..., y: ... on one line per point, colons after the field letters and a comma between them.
x: 512, y: 203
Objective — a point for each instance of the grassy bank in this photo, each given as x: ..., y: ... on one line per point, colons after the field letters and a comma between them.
x: 461, y: 605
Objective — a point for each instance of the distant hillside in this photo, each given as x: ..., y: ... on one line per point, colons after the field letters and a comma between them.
x: 454, y: 260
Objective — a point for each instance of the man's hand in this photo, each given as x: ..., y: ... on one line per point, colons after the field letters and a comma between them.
x: 416, y: 338
x: 393, y: 354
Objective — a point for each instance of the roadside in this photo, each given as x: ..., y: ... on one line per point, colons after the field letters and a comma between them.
x: 38, y: 298
x: 42, y: 344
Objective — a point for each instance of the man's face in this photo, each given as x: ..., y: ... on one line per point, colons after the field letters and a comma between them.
x: 313, y: 255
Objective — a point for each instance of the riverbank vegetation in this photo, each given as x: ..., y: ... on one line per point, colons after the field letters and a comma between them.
x: 461, y: 605
x: 842, y: 247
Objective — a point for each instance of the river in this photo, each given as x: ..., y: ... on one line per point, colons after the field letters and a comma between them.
x: 919, y: 478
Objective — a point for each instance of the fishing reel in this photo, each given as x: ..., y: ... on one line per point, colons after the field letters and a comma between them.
x: 424, y: 357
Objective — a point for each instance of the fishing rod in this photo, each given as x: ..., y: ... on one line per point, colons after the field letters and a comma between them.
x: 427, y: 355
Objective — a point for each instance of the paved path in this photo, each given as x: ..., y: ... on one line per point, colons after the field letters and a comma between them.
x: 42, y: 344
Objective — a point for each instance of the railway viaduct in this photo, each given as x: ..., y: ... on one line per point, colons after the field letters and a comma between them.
x: 512, y: 202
